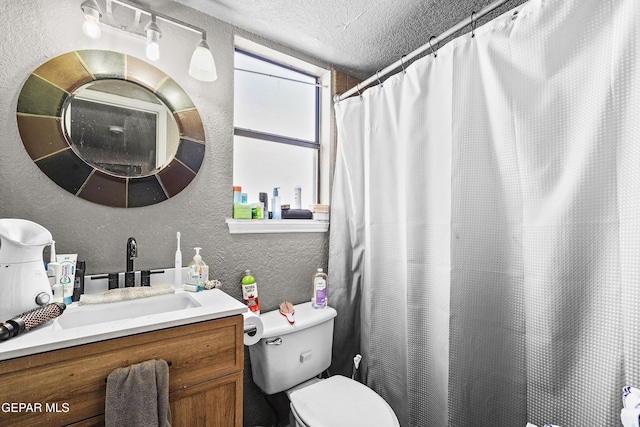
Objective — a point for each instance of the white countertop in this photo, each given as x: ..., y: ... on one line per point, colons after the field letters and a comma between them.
x: 214, y: 304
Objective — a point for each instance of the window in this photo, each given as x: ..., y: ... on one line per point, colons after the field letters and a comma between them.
x: 277, y: 129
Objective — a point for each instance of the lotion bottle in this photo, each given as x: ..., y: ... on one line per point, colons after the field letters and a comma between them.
x: 319, y: 289
x: 275, y: 204
x: 264, y: 199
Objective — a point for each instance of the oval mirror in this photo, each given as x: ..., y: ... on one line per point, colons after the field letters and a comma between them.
x: 110, y: 128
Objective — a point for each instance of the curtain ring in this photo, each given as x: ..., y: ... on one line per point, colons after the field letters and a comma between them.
x: 402, y: 63
x: 434, y: 51
x: 358, y: 89
x: 474, y: 24
x: 378, y: 76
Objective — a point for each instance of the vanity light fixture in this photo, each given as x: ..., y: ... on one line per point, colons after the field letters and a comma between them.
x: 202, y: 66
x: 92, y: 15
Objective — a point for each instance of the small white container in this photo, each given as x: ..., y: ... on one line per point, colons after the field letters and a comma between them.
x: 297, y: 198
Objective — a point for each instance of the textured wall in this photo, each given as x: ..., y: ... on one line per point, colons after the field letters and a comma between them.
x: 34, y: 31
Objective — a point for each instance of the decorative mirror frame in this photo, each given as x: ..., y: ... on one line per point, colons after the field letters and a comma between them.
x: 39, y: 115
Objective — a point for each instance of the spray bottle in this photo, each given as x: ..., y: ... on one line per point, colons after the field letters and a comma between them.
x: 250, y: 292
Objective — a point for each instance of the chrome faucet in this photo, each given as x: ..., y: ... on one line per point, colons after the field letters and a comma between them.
x: 132, y: 252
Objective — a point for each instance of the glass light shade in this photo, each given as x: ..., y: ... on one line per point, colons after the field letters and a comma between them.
x: 202, y: 66
x: 153, y: 51
x: 91, y: 28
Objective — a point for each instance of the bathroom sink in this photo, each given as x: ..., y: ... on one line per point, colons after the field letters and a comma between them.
x: 93, y: 314
x: 87, y: 323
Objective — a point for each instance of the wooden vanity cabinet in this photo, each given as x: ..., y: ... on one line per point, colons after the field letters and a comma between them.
x: 67, y: 386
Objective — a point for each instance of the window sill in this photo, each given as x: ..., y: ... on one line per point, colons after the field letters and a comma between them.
x: 255, y: 226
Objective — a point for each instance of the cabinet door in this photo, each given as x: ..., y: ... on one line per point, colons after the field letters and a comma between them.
x: 215, y: 403
x: 76, y: 376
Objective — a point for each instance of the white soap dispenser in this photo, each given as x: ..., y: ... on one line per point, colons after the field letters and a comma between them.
x: 198, y: 272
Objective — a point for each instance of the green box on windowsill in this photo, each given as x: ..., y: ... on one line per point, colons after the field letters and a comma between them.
x: 241, y: 211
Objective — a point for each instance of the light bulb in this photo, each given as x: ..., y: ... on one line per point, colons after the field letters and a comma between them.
x: 92, y: 15
x: 153, y: 51
x: 91, y: 28
x: 202, y: 66
x: 153, y: 36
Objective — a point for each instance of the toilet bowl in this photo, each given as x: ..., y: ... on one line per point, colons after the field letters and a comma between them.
x: 289, y: 357
x: 339, y: 401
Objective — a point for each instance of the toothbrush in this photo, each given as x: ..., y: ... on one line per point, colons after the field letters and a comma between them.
x: 54, y: 265
x: 53, y: 252
x: 56, y: 272
x: 177, y: 281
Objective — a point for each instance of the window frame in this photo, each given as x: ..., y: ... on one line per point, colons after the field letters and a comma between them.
x: 249, y: 133
x: 325, y: 121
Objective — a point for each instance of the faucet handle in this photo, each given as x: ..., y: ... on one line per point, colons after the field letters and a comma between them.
x: 145, y: 278
x: 113, y: 281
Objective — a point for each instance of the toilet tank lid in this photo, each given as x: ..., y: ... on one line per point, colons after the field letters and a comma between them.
x: 275, y: 324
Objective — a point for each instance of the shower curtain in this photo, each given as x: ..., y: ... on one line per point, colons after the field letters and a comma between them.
x: 485, y: 223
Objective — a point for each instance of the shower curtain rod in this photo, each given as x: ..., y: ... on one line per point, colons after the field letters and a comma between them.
x: 429, y: 45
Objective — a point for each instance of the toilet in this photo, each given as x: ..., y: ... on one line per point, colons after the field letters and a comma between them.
x: 289, y: 358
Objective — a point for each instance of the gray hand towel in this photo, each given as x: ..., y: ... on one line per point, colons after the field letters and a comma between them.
x: 138, y: 395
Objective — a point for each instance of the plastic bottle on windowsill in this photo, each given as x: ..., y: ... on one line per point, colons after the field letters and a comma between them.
x: 275, y: 204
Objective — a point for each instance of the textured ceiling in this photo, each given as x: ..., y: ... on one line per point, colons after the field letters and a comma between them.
x: 356, y: 36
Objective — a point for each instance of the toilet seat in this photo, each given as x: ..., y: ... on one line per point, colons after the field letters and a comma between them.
x: 339, y: 401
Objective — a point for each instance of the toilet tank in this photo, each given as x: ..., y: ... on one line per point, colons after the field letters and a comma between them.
x: 287, y: 354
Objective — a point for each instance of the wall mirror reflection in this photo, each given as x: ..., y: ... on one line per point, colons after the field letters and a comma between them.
x: 120, y: 127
